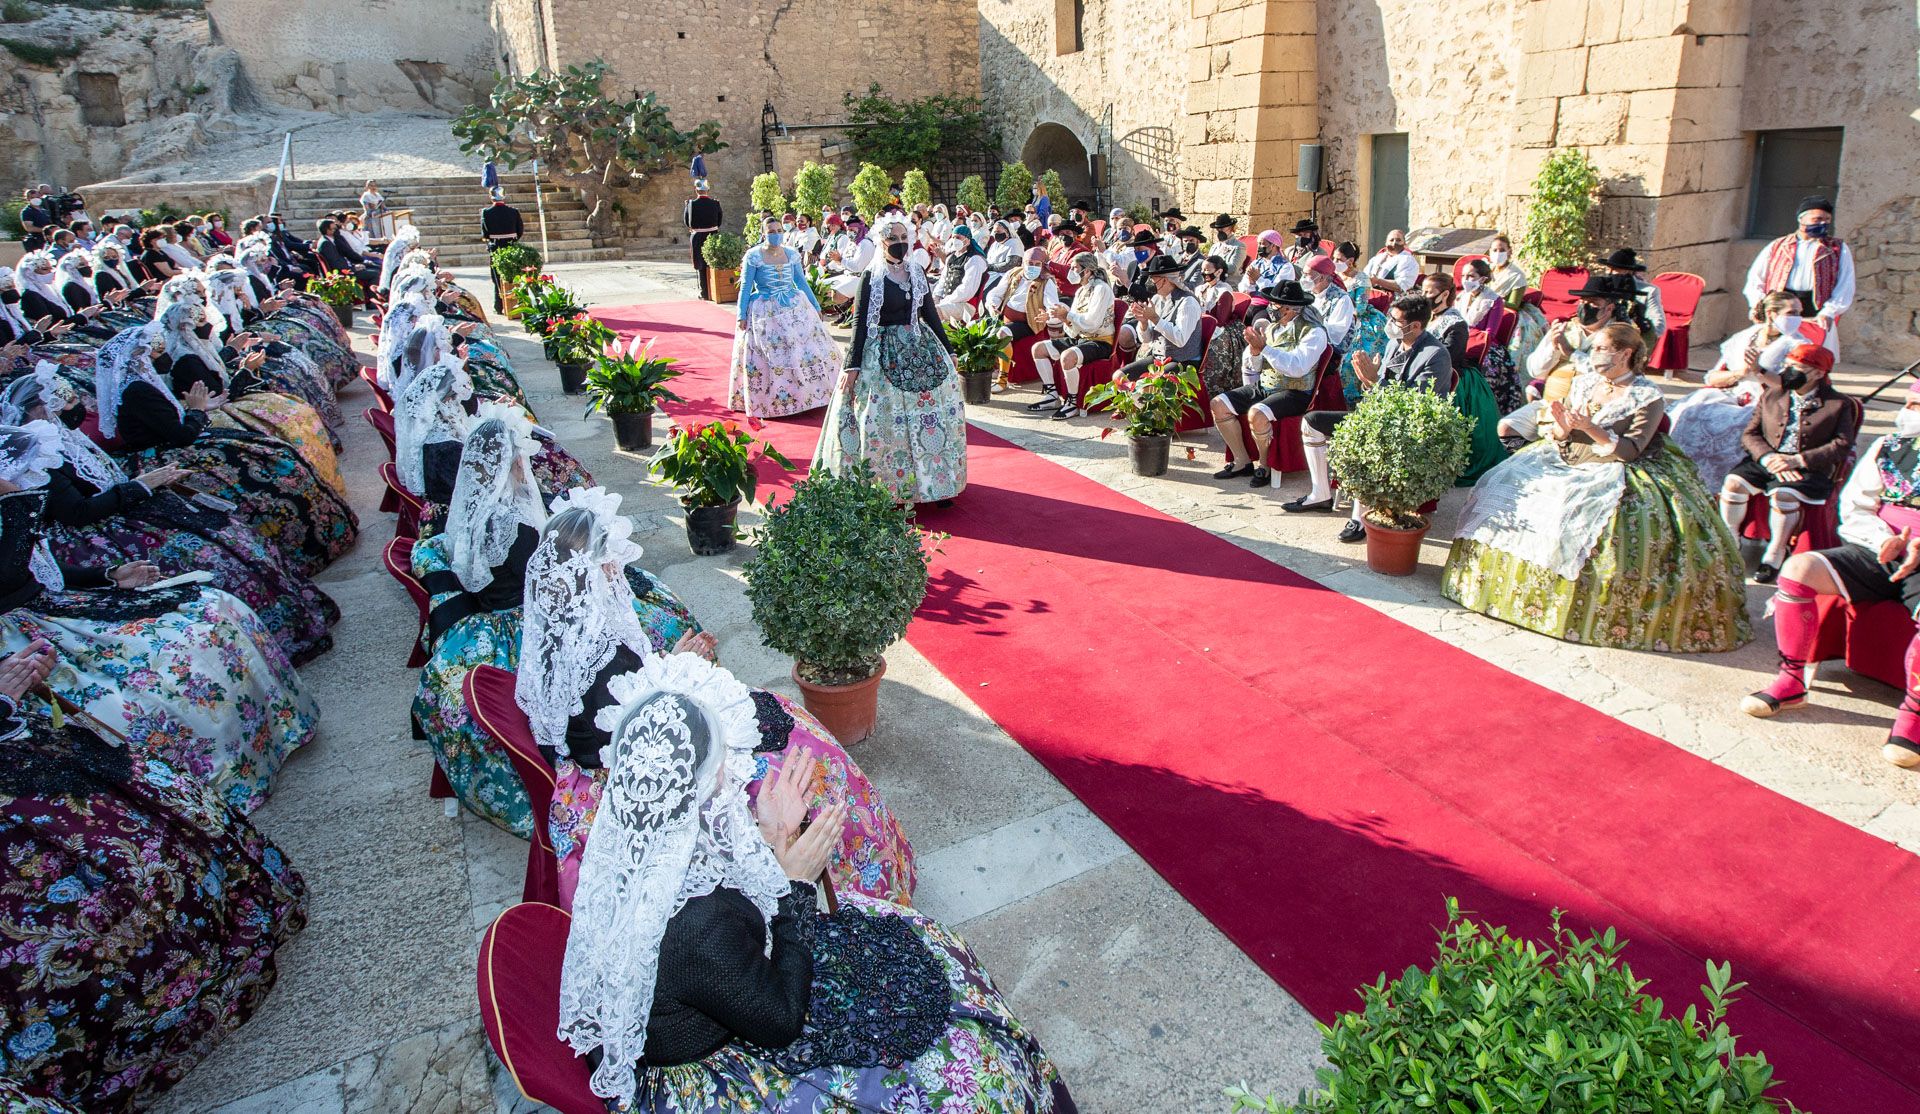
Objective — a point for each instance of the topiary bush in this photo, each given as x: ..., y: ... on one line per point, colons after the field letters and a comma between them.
x: 972, y: 193
x: 840, y: 571
x: 915, y: 189
x: 1399, y: 450
x: 1560, y: 216
x: 872, y: 189
x: 1056, y: 191
x: 724, y: 251
x: 1015, y: 188
x: 814, y: 188
x: 514, y: 259
x: 1501, y: 1025
x: 766, y: 200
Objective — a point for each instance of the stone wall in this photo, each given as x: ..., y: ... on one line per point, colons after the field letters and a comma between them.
x: 362, y: 55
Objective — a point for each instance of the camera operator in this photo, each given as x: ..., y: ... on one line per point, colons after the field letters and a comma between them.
x: 36, y: 221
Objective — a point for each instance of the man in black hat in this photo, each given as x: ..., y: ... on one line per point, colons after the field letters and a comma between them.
x: 1306, y: 243
x: 1166, y: 325
x: 1191, y: 258
x: 1812, y: 264
x: 500, y: 225
x: 1282, y: 361
x: 1142, y: 247
x: 1623, y: 261
x: 1562, y: 351
x: 1171, y: 222
x: 1227, y: 246
x: 702, y: 217
x: 1413, y: 358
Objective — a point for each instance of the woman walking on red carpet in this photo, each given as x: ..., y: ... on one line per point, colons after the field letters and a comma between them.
x: 783, y: 358
x: 899, y: 403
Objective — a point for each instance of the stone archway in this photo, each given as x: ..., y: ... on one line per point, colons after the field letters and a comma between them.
x: 1053, y: 147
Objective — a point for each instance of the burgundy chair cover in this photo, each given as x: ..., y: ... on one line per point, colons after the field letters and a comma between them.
x: 408, y: 505
x: 382, y: 423
x: 1872, y: 640
x: 399, y: 562
x: 1679, y: 298
x: 519, y: 984
x: 489, y: 694
x: 1556, y: 291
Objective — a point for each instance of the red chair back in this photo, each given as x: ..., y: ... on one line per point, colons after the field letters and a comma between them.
x: 1679, y: 295
x: 382, y: 423
x: 1099, y: 228
x: 399, y: 561
x: 1477, y: 341
x: 519, y: 985
x: 381, y: 398
x: 1380, y: 300
x: 489, y: 694
x: 1556, y: 292
x: 1814, y: 335
x: 1499, y: 324
x: 405, y: 503
x: 1460, y: 267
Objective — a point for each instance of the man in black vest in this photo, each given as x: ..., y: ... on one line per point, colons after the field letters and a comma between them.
x: 500, y: 225
x: 702, y: 218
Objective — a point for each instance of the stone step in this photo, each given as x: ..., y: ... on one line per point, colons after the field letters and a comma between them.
x: 476, y: 257
x: 466, y: 244
x: 462, y: 189
x: 470, y: 181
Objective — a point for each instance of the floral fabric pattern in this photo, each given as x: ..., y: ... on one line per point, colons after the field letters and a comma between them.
x: 915, y: 440
x: 784, y: 361
x: 290, y: 420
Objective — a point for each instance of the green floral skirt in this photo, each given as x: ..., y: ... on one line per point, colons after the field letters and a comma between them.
x: 1665, y: 574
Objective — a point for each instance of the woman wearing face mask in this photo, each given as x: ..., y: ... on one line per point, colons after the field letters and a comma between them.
x: 1078, y: 334
x: 783, y: 360
x: 1510, y: 283
x: 805, y: 239
x: 1003, y: 249
x: 15, y: 328
x: 963, y: 277
x: 899, y: 406
x: 1475, y: 302
x: 38, y: 283
x: 848, y: 259
x: 1369, y: 332
x: 1709, y: 422
x: 1563, y: 352
x: 1601, y: 532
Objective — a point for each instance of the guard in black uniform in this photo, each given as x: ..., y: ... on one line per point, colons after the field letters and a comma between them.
x: 500, y: 225
x: 703, y: 218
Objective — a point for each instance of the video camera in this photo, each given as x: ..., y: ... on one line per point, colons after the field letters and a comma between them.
x: 65, y: 205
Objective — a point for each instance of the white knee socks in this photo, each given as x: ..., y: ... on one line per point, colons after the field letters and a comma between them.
x: 1317, y: 470
x: 1733, y: 508
x: 1783, y: 518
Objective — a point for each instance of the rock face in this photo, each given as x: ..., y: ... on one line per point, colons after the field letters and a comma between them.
x: 354, y: 56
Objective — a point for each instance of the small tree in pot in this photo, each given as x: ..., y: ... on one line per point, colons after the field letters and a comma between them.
x: 1399, y: 451
x: 508, y: 264
x: 629, y: 384
x: 712, y: 465
x: 723, y: 252
x: 576, y: 342
x: 1151, y: 406
x: 977, y: 349
x: 840, y: 571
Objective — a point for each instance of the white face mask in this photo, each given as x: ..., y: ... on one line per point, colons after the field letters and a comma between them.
x: 956, y: 245
x: 1033, y: 270
x: 1074, y: 277
x: 1497, y: 258
x: 1470, y: 283
x: 1906, y: 423
x: 1340, y: 266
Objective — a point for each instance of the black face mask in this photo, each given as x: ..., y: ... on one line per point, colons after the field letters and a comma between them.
x: 1307, y: 241
x: 85, y: 272
x: 1793, y: 379
x: 9, y: 296
x: 1589, y: 315
x: 73, y: 417
x: 896, y: 251
x: 999, y: 237
x: 203, y: 330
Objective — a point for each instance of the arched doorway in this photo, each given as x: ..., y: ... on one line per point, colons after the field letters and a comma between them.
x: 1052, y: 147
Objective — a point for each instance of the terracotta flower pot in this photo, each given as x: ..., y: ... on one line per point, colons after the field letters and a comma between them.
x: 849, y: 711
x: 710, y: 529
x: 1149, y: 454
x: 1391, y: 551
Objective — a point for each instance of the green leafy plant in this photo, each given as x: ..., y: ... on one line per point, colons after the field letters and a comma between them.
x: 871, y: 189
x: 1559, y: 229
x: 1015, y: 188
x: 1140, y: 213
x: 814, y: 188
x: 596, y: 143
x: 41, y: 54
x: 765, y: 200
x: 841, y: 568
x: 630, y: 379
x: 1501, y: 1024
x: 977, y: 345
x: 17, y: 11
x: 822, y: 285
x: 526, y: 287
x: 160, y: 213
x: 578, y: 339
x: 1056, y: 191
x: 10, y: 218
x: 923, y: 132
x: 514, y: 259
x: 1152, y: 404
x: 914, y: 188
x: 545, y: 303
x: 712, y: 464
x: 972, y: 193
x: 336, y: 288
x: 724, y: 251
x: 1399, y: 450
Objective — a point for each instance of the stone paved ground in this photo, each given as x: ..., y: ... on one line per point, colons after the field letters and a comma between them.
x: 1143, y: 1003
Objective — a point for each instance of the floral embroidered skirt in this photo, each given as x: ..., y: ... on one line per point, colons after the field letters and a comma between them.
x: 287, y: 419
x: 302, y: 327
x: 202, y: 687
x: 986, y: 1062
x: 784, y: 361
x: 874, y: 857
x: 906, y: 417
x: 274, y: 490
x: 292, y: 374
x: 1220, y: 371
x: 1665, y: 574
x: 140, y: 921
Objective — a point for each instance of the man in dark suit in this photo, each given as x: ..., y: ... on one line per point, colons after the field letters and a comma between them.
x: 292, y: 257
x: 500, y: 225
x: 1800, y: 434
x: 339, y: 256
x: 703, y: 218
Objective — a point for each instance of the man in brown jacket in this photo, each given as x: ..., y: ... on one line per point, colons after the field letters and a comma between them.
x: 1799, y: 437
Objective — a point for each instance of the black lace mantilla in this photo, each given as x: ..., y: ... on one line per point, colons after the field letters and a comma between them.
x: 775, y: 724
x: 44, y: 761
x: 879, y: 997
x: 115, y: 605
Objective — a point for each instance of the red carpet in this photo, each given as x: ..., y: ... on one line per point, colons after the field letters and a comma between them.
x: 1316, y: 777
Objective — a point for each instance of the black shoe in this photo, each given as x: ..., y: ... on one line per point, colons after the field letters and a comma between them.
x: 1353, y: 531
x: 1048, y: 401
x: 1301, y: 505
x: 1067, y: 410
x: 1229, y: 472
x: 1262, y: 477
x: 1514, y: 442
x: 1766, y: 574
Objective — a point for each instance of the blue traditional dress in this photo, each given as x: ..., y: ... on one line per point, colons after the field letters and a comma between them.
x: 784, y: 361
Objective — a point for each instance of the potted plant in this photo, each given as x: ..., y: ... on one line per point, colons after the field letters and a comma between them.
x: 723, y: 252
x: 340, y: 290
x: 1397, y: 454
x: 840, y: 570
x: 977, y: 348
x: 576, y: 342
x: 629, y: 384
x: 712, y: 465
x: 1151, y: 406
x: 509, y: 263
x: 548, y: 303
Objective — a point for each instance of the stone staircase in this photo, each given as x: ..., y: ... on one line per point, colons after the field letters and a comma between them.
x: 447, y: 212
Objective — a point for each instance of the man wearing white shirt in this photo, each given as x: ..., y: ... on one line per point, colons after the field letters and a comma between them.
x: 1813, y: 265
x: 1395, y: 270
x: 1279, y: 364
x: 1329, y: 300
x: 1168, y: 324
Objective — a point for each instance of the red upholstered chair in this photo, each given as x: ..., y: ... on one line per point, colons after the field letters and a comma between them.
x: 1202, y: 416
x: 1679, y: 298
x: 489, y: 694
x: 1871, y: 640
x: 399, y: 561
x: 1819, y: 525
x: 519, y: 984
x: 1285, y: 453
x: 380, y: 396
x: 1460, y: 267
x: 1380, y: 300
x: 1501, y: 331
x: 1556, y: 292
x: 1098, y: 227
x: 382, y: 423
x: 1477, y: 341
x: 405, y: 503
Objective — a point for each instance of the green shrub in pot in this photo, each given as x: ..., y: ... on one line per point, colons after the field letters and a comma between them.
x: 1401, y: 449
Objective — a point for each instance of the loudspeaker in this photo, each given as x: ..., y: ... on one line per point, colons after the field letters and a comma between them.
x: 1098, y: 165
x: 1310, y: 168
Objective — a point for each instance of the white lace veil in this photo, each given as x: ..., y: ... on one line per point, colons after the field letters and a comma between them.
x: 402, y: 315
x: 121, y: 361
x: 429, y: 342
x: 878, y: 277
x: 118, y: 268
x: 405, y: 240
x: 26, y: 277
x: 494, y: 493
x: 27, y: 454
x: 429, y: 410
x: 46, y: 388
x: 187, y: 287
x: 10, y: 311
x: 578, y: 609
x: 232, y: 297
x: 67, y: 270
x: 673, y: 824
x: 176, y: 327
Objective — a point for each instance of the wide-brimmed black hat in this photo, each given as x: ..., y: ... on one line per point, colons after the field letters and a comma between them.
x: 1068, y: 228
x: 1163, y: 265
x: 1224, y: 220
x: 1624, y: 259
x: 1816, y: 201
x: 1608, y: 286
x: 1304, y: 225
x: 1287, y: 292
x: 1190, y: 232
x: 1144, y: 238
x: 1171, y: 214
x: 1087, y: 205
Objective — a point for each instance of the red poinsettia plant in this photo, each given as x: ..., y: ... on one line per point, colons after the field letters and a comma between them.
x: 1152, y: 404
x: 712, y: 464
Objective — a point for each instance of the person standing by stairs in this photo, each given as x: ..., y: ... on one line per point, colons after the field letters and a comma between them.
x: 500, y: 225
x: 702, y: 218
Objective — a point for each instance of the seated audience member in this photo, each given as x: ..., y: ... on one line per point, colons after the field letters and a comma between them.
x: 1164, y: 326
x: 1022, y: 301
x: 1213, y: 284
x: 1281, y: 360
x: 339, y: 255
x: 1191, y: 258
x: 1077, y: 334
x: 1475, y: 303
x: 1599, y: 532
x: 1801, y: 431
x: 1562, y: 352
x: 1306, y: 242
x: 1875, y: 563
x: 154, y: 260
x: 1447, y: 326
x: 1269, y: 266
x: 962, y: 277
x: 1127, y: 262
x: 1227, y: 246
x: 1709, y: 423
x: 1369, y: 333
x: 1624, y: 262
x: 1394, y: 269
